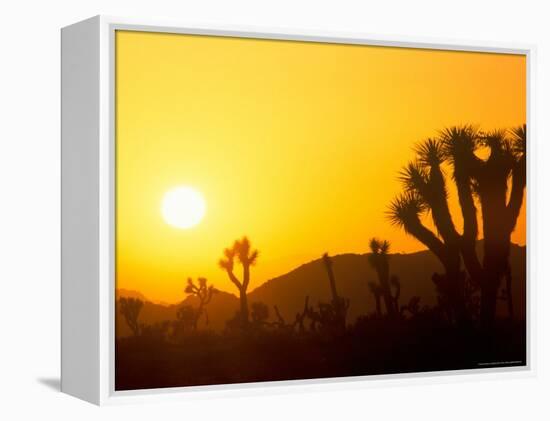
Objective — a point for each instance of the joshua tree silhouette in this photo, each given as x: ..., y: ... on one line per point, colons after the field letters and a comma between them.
x: 395, y: 283
x: 507, y: 160
x: 186, y: 317
x: 497, y: 181
x: 130, y: 308
x: 327, y: 318
x: 300, y: 317
x: 280, y: 323
x: 204, y: 293
x: 340, y: 305
x: 377, y: 293
x: 241, y: 250
x: 379, y: 260
x: 423, y: 179
x: 499, y: 184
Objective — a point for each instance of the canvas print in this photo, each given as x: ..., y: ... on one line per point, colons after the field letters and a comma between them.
x: 306, y: 210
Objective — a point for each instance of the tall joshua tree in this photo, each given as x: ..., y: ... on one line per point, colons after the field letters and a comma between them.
x: 130, y: 308
x: 497, y: 181
x: 204, y: 293
x: 459, y: 146
x: 186, y: 318
x: 425, y: 186
x: 339, y: 304
x: 377, y: 293
x: 379, y: 260
x: 301, y: 316
x: 327, y: 261
x: 242, y: 251
x: 396, y: 284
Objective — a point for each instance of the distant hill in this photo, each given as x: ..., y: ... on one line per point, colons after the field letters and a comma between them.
x: 222, y: 307
x: 122, y: 292
x: 127, y: 293
x: 352, y: 273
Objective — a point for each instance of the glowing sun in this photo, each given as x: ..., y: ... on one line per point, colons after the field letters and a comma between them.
x: 183, y: 207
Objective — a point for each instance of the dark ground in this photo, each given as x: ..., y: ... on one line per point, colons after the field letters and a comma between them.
x: 374, y: 346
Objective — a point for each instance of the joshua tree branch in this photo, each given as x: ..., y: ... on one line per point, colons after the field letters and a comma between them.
x: 518, y: 190
x: 246, y: 275
x: 469, y: 211
x: 437, y: 201
x: 281, y: 321
x: 469, y: 236
x: 234, y: 279
x: 426, y: 237
x: 209, y: 294
x: 328, y: 266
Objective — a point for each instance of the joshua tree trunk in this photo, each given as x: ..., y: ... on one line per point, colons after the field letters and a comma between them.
x: 495, y: 264
x: 509, y: 297
x: 388, y: 300
x: 242, y: 293
x: 469, y: 216
x: 376, y: 292
x: 244, y: 306
x: 397, y: 285
x: 337, y: 302
x: 457, y: 296
x: 496, y: 242
x: 384, y: 279
x: 330, y: 273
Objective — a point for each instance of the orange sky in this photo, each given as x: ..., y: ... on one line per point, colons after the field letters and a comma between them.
x: 295, y: 144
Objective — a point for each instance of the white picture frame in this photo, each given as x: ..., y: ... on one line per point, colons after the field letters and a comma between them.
x: 87, y: 125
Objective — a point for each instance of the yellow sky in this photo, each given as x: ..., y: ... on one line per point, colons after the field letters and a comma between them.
x: 295, y: 144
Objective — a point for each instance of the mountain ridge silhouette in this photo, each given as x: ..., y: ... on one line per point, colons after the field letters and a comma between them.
x: 352, y: 272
